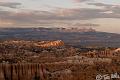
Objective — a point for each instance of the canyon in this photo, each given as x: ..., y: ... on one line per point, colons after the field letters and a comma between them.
x: 54, y: 60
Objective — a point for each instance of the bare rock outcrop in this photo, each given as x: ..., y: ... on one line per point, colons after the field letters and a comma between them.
x: 57, y: 43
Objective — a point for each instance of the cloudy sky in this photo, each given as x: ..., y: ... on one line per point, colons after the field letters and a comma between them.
x: 103, y: 15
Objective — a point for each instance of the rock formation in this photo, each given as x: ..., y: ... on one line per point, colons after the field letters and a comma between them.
x: 57, y: 43
x: 22, y: 72
x: 117, y: 50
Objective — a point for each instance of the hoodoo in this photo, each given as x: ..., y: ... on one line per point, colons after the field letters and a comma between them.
x: 117, y: 50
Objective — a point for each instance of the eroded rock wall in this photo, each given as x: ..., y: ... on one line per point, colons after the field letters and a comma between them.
x: 22, y: 72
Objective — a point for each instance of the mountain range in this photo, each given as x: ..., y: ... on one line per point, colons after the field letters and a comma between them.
x: 71, y: 36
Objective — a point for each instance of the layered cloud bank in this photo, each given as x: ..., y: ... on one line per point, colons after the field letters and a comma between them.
x: 50, y: 13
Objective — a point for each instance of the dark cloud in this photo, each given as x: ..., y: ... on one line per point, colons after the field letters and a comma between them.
x: 25, y: 18
x: 109, y: 7
x: 71, y: 14
x: 100, y: 4
x: 46, y: 17
x: 80, y: 0
x: 10, y: 4
x: 86, y: 24
x: 87, y: 14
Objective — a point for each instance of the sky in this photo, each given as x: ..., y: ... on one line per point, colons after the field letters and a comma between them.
x: 103, y: 15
